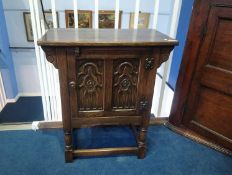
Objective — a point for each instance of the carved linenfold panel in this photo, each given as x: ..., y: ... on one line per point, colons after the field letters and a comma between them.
x: 125, y: 79
x: 90, y: 78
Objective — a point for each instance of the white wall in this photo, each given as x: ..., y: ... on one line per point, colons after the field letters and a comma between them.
x: 24, y: 59
x: 26, y: 72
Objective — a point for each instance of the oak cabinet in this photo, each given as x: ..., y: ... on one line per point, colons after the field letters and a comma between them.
x: 107, y: 77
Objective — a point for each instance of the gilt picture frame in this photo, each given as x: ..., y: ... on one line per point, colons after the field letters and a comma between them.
x: 143, y: 20
x: 84, y: 19
x: 107, y: 19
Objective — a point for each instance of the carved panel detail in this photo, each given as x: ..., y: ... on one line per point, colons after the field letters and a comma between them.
x: 90, y: 85
x: 125, y: 78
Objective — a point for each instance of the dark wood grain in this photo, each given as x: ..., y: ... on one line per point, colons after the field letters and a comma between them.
x: 105, y: 151
x: 106, y: 120
x: 105, y: 37
x: 106, y: 85
x: 67, y: 126
x: 146, y: 82
x: 203, y: 97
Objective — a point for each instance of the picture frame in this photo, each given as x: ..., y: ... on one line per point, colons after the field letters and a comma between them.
x: 28, y: 24
x: 107, y: 19
x: 84, y: 19
x: 143, y: 20
x: 49, y: 20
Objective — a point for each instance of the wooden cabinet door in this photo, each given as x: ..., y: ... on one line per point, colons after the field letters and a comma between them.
x: 209, y: 104
x: 105, y: 84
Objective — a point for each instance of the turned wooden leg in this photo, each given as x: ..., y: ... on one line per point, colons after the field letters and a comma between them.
x: 68, y: 146
x: 142, y: 142
x: 142, y: 135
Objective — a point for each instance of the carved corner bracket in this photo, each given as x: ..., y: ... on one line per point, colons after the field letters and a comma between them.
x: 51, y: 55
x: 164, y: 54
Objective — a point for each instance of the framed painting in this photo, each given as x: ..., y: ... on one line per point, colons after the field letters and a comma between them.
x: 49, y: 20
x: 84, y: 19
x: 143, y: 20
x: 28, y: 25
x: 107, y: 19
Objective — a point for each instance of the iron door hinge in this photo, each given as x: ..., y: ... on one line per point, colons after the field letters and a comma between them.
x: 143, y: 105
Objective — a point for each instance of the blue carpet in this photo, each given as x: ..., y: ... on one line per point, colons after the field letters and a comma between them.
x: 41, y: 153
x: 26, y: 109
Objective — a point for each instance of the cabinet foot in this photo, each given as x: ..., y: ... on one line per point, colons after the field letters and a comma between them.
x: 68, y: 156
x: 142, y: 152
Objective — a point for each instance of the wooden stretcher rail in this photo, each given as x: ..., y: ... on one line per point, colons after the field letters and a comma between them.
x: 105, y: 151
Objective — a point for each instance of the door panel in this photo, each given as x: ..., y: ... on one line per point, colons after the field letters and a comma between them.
x: 221, y: 51
x: 90, y: 85
x: 217, y: 78
x: 125, y: 84
x: 209, y: 103
x: 214, y: 110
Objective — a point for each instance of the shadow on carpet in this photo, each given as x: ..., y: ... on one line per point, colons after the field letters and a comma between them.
x: 41, y: 153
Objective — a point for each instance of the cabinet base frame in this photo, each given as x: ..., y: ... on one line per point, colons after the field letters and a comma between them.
x: 137, y: 150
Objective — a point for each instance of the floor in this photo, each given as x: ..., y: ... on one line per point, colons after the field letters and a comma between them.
x: 28, y: 152
x: 26, y: 109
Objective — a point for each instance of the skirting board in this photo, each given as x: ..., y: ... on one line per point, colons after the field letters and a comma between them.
x: 15, y: 126
x: 49, y: 124
x: 13, y: 100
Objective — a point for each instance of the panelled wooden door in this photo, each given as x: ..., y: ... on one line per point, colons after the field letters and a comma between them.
x: 208, y: 106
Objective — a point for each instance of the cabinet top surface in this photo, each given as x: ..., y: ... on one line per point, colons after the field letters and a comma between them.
x: 105, y: 37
